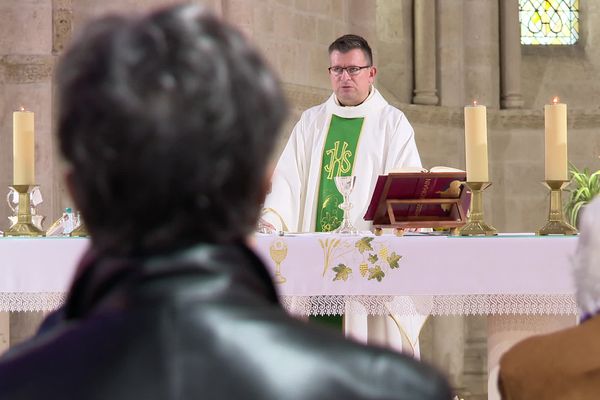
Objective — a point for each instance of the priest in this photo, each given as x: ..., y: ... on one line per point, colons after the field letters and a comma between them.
x: 355, y: 132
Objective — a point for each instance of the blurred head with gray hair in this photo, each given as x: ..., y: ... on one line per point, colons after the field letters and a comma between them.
x: 587, y: 261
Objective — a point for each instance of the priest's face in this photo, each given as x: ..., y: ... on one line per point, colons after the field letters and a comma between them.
x: 351, y: 89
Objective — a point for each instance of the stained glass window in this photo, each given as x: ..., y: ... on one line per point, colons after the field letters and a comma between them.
x: 553, y: 22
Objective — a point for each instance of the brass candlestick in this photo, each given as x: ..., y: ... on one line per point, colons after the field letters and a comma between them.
x: 80, y: 230
x: 24, y: 225
x: 556, y: 225
x: 475, y: 224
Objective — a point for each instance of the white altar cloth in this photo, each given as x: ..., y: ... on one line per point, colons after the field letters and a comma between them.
x: 510, y: 274
x: 516, y: 274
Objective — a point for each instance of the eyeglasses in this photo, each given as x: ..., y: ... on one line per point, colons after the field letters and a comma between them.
x: 352, y: 71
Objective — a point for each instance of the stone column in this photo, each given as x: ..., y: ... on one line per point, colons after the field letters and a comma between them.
x: 451, y: 58
x: 425, y: 47
x: 4, y: 331
x: 510, y: 55
x: 392, y: 40
x: 481, y: 40
x: 448, y: 348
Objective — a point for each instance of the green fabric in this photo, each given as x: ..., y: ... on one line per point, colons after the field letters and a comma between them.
x: 333, y: 321
x: 338, y: 160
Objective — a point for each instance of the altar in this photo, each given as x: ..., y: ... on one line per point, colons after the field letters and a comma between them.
x: 441, y: 275
x: 507, y: 277
x: 321, y: 273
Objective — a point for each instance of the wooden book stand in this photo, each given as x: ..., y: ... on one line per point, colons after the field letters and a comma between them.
x: 419, y: 200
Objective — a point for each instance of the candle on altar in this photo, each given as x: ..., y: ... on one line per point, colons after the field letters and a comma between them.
x: 23, y: 148
x: 476, y: 152
x: 555, y: 154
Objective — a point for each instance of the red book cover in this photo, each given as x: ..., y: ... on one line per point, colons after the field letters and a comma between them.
x: 413, y: 196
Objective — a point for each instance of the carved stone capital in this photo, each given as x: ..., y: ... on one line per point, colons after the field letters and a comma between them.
x: 26, y: 69
x: 62, y: 28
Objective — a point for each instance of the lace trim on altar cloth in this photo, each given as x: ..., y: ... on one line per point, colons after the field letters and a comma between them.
x: 483, y: 304
x: 43, y: 301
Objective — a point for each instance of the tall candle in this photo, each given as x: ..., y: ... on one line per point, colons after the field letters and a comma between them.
x: 555, y: 122
x: 476, y: 152
x: 23, y: 148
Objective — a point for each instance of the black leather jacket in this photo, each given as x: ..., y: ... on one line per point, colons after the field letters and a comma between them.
x: 204, y: 323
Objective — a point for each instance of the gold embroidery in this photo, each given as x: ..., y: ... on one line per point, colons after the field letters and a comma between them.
x: 278, y: 252
x: 328, y: 245
x: 372, y: 260
x: 422, y: 195
x: 341, y: 161
x: 363, y: 268
x: 329, y: 221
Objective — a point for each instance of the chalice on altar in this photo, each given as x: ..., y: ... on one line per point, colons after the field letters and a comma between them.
x: 345, y: 185
x: 278, y: 252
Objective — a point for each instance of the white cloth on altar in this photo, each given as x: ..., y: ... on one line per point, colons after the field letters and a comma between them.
x: 398, y: 332
x: 386, y: 142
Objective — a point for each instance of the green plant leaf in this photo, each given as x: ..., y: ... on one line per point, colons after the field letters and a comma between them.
x: 585, y: 185
x: 575, y: 213
x: 373, y: 258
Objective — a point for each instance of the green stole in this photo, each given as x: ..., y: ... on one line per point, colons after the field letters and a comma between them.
x: 338, y: 160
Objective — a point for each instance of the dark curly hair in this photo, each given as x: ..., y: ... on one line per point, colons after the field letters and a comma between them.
x: 168, y: 122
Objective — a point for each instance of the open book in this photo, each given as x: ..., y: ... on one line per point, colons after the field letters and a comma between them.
x: 420, y: 169
x: 416, y: 197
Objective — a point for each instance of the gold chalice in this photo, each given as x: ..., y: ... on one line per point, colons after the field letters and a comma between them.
x: 278, y: 252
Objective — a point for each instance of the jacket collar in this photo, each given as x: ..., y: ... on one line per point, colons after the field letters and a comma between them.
x: 99, y: 277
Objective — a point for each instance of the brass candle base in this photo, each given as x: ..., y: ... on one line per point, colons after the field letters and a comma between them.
x: 475, y: 225
x: 556, y: 225
x: 24, y: 225
x: 80, y: 231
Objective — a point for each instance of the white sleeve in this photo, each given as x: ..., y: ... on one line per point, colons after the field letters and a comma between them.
x: 402, y: 151
x: 284, y: 200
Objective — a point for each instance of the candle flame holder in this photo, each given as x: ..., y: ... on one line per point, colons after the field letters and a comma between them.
x: 476, y: 225
x: 25, y: 211
x: 556, y: 225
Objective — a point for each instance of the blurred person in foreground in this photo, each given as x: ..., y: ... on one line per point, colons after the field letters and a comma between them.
x: 167, y: 122
x: 565, y: 364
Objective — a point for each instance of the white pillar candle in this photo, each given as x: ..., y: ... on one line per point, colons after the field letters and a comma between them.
x: 476, y: 152
x: 555, y: 123
x: 23, y: 148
